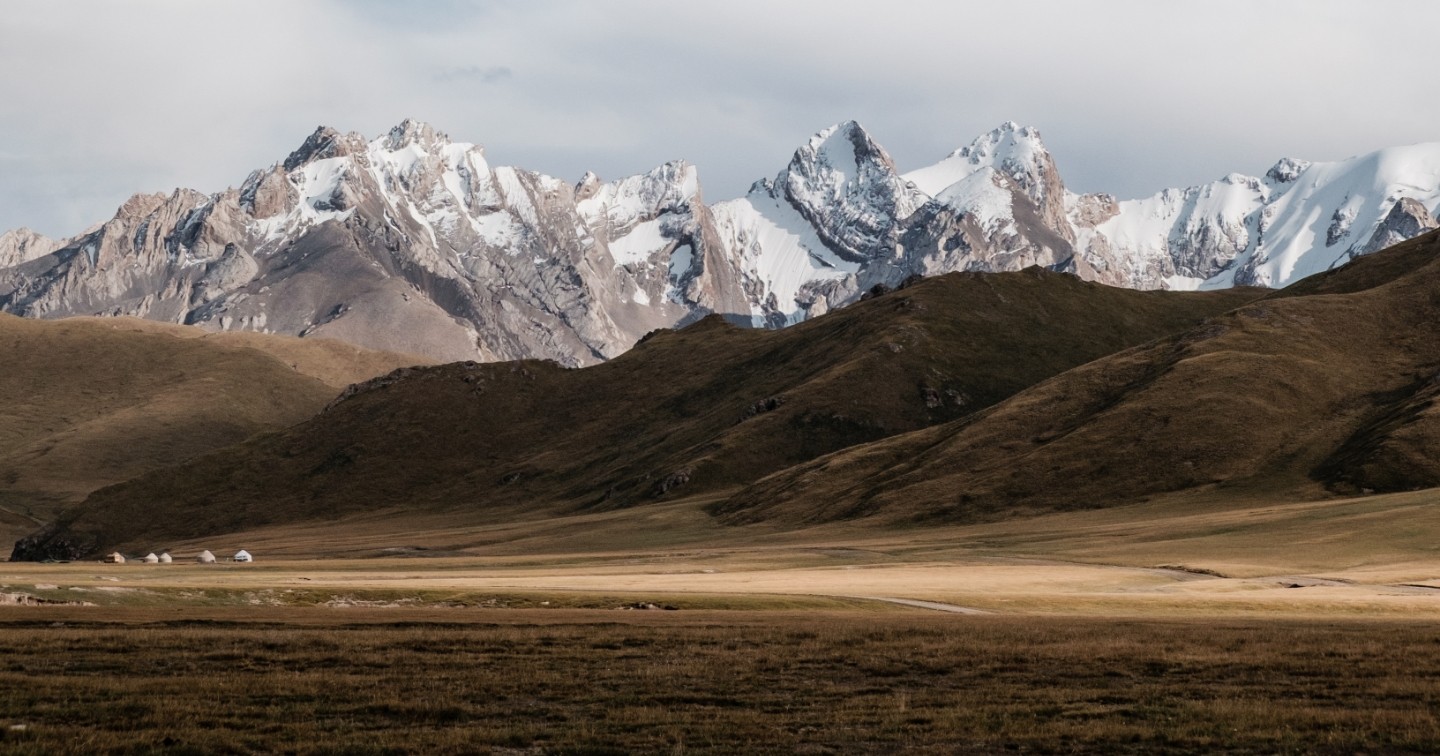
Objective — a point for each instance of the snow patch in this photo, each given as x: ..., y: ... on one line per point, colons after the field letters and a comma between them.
x: 637, y: 246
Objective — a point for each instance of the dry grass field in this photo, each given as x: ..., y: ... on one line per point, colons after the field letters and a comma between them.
x: 710, y: 682
x: 1373, y: 556
x: 1179, y: 626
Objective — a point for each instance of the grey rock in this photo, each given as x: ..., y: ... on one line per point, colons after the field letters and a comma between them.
x: 1406, y: 220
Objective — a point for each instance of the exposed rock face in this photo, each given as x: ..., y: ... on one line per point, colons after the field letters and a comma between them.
x: 412, y: 242
x: 1407, y: 219
x: 24, y: 245
x: 847, y: 187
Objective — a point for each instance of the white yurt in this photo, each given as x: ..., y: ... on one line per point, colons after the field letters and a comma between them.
x: 243, y: 556
x: 205, y: 557
x: 115, y: 557
x: 150, y: 558
x: 165, y: 558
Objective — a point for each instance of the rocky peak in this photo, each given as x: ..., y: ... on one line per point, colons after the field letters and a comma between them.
x: 586, y: 187
x: 1407, y: 219
x: 843, y: 151
x: 140, y: 205
x: 1286, y: 170
x: 846, y: 186
x: 1018, y: 153
x: 324, y: 143
x: 411, y: 131
x: 23, y: 245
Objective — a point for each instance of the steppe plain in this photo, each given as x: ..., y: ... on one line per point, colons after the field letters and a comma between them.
x: 1178, y: 625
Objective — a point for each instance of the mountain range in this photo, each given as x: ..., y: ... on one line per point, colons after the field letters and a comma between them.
x: 414, y: 243
x: 957, y: 398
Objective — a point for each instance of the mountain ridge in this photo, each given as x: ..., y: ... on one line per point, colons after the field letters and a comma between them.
x: 413, y: 242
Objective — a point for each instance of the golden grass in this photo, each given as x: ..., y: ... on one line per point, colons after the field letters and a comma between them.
x: 86, y: 402
x: 505, y: 645
x: 1337, y: 558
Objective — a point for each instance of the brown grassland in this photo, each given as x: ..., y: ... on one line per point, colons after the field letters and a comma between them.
x: 526, y: 681
x: 88, y: 402
x: 1178, y: 626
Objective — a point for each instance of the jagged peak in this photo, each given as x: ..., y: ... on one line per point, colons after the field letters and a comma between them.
x: 23, y: 232
x: 847, y: 135
x: 846, y: 129
x: 413, y: 131
x: 846, y: 149
x: 665, y: 188
x: 324, y: 142
x: 1286, y: 170
x: 1013, y: 150
x: 1008, y: 140
x: 141, y: 204
x: 672, y: 170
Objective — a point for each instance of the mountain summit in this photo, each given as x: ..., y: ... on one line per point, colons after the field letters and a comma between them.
x: 413, y: 242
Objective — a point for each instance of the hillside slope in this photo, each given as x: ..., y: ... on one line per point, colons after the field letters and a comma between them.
x: 88, y: 402
x: 705, y: 408
x: 1331, y: 384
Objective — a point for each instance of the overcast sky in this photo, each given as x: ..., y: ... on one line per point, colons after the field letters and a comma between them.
x: 102, y: 99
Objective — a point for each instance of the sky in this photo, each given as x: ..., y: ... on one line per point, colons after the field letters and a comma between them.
x: 101, y: 99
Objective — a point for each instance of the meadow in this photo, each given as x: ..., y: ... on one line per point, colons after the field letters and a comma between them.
x: 1170, y: 627
x: 568, y: 681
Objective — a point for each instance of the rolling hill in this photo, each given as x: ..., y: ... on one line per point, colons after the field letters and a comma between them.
x: 1328, y: 386
x: 707, y: 408
x: 87, y: 402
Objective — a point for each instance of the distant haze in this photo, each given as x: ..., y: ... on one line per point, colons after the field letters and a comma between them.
x: 104, y: 99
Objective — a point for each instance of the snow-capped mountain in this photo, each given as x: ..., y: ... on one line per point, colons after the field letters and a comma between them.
x: 412, y: 242
x: 1299, y: 219
x: 409, y: 242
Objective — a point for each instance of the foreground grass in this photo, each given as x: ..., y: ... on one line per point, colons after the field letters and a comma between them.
x: 312, y: 681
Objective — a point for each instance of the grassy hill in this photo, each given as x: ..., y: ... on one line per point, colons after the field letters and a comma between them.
x: 1326, y: 387
x: 707, y: 408
x: 87, y: 402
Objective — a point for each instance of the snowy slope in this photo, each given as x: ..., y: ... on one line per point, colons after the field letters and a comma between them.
x: 1300, y: 219
x: 1011, y: 150
x: 1329, y: 211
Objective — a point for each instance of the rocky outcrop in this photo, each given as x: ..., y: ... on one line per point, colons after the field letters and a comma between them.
x: 1407, y: 219
x: 23, y: 245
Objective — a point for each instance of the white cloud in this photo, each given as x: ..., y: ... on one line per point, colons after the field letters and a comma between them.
x: 103, y: 99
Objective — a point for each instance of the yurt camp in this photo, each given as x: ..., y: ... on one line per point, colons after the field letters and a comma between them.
x: 205, y: 557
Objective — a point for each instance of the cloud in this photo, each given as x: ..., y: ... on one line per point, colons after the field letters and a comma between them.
x: 474, y: 74
x: 105, y: 99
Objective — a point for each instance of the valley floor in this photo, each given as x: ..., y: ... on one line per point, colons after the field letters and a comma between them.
x: 1183, y: 625
x: 1368, y: 557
